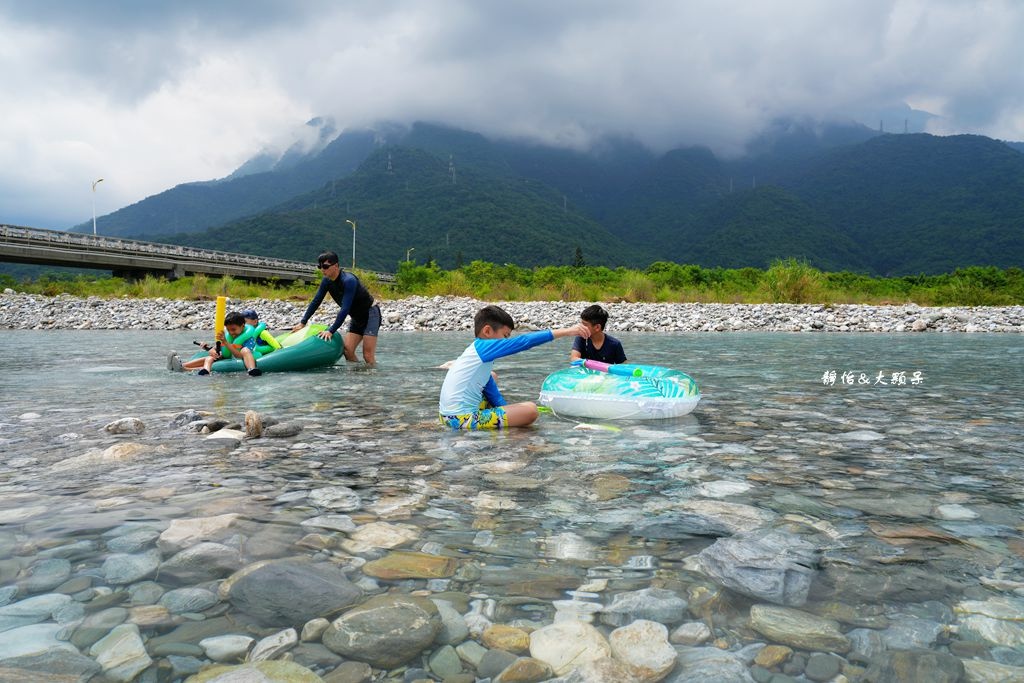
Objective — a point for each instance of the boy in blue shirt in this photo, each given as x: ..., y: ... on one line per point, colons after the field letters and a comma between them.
x: 599, y: 346
x: 469, y: 378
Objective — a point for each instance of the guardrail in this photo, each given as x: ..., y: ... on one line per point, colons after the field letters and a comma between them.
x: 84, y: 251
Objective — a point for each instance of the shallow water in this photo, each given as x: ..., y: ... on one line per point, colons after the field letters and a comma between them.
x: 861, y: 468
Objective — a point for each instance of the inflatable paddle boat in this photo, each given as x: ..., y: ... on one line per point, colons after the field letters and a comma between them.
x: 619, y: 392
x: 301, y: 350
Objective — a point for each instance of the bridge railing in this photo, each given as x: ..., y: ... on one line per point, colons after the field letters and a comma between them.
x: 174, y: 251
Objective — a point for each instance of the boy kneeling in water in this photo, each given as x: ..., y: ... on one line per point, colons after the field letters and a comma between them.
x: 469, y: 380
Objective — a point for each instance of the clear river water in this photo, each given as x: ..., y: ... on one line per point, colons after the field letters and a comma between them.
x: 897, y: 457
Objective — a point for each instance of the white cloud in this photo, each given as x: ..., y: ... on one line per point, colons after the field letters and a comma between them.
x: 151, y: 96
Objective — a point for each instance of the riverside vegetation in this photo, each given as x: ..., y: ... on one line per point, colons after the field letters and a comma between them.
x: 785, y: 281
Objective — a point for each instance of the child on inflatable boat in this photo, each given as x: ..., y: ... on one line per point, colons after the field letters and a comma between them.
x: 240, y: 339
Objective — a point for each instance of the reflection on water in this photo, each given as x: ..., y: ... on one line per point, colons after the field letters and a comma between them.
x: 910, y: 496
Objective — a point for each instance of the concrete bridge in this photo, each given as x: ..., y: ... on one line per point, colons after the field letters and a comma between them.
x: 133, y: 259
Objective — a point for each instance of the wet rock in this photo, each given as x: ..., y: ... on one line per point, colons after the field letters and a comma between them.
x: 692, y: 633
x: 654, y: 604
x: 315, y: 656
x: 187, y: 416
x: 798, y: 629
x: 979, y: 671
x: 283, y: 430
x: 524, y: 670
x: 97, y: 625
x: 122, y: 568
x: 909, y: 633
x: 183, y: 533
x: 444, y: 662
x: 341, y: 523
x: 289, y: 592
x: 916, y: 665
x: 152, y: 616
x: 411, y: 565
x: 121, y: 653
x: 183, y: 600
x: 454, y: 629
x: 261, y: 672
x: 822, y: 667
x: 567, y: 644
x: 385, y: 631
x: 51, y: 666
x: 379, y: 535
x: 313, y: 629
x: 508, y: 638
x: 47, y: 574
x: 32, y: 641
x: 201, y: 562
x: 771, y: 565
x: 680, y: 525
x: 771, y: 656
x: 340, y: 498
x: 116, y: 454
x: 708, y: 665
x: 996, y: 621
x: 350, y: 672
x: 32, y: 610
x: 644, y: 648
x: 133, y: 541
x: 866, y: 644
x: 226, y: 648
x: 273, y: 646
x: 472, y: 653
x: 494, y: 662
x: 126, y: 425
x: 606, y: 670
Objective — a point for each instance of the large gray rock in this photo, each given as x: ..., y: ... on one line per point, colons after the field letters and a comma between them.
x: 708, y: 665
x: 202, y: 562
x: 654, y: 604
x: 917, y: 665
x: 122, y: 568
x: 290, y: 592
x: 798, y: 629
x: 769, y: 565
x: 385, y: 631
x: 47, y: 574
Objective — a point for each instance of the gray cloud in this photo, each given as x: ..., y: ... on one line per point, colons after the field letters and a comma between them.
x: 153, y: 94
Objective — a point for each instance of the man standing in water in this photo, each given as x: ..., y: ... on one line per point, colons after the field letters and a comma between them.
x: 354, y: 301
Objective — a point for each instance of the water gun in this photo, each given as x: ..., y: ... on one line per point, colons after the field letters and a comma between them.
x: 624, y: 370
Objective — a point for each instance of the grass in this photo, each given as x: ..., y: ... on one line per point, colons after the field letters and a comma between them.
x: 785, y: 281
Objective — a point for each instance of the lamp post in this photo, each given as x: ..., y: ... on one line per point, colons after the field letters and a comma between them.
x: 353, y: 224
x: 407, y: 252
x: 94, y: 184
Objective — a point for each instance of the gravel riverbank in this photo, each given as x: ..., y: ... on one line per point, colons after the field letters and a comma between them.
x: 430, y: 314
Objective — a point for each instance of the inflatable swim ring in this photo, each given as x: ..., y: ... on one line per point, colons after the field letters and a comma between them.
x: 619, y: 392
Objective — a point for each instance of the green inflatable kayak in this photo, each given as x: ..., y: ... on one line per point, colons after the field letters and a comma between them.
x: 301, y: 350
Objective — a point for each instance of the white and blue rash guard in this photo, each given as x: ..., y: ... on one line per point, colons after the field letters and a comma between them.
x: 469, y: 378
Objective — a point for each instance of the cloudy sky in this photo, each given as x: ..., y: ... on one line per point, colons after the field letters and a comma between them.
x: 151, y: 94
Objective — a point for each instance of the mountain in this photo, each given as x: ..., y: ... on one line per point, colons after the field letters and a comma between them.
x: 404, y: 197
x: 197, y: 206
x: 923, y: 204
x: 755, y: 227
x: 842, y: 196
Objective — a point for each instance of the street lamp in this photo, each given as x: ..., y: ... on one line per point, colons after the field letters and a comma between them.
x: 94, y: 184
x: 407, y: 252
x: 353, y: 224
